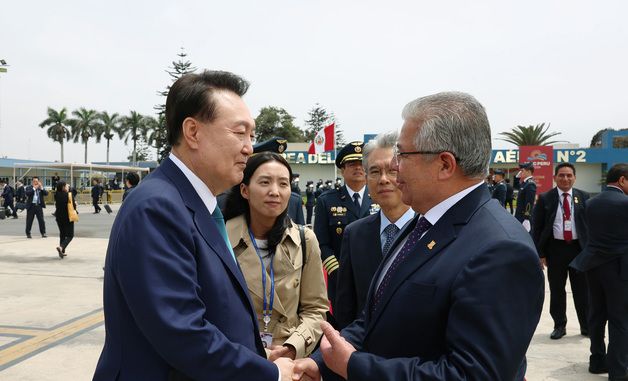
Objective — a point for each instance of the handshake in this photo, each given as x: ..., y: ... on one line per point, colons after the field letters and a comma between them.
x: 336, y: 352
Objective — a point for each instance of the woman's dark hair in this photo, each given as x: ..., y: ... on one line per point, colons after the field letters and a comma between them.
x: 60, y: 186
x: 132, y: 178
x: 237, y: 205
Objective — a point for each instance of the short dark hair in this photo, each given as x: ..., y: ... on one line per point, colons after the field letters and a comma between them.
x: 35, y: 177
x: 132, y: 178
x: 563, y: 165
x: 192, y: 96
x: 616, y: 172
x: 60, y: 186
x: 237, y: 205
x: 507, y: 180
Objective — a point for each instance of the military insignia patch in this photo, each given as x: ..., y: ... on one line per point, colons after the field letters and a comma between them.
x: 339, y: 230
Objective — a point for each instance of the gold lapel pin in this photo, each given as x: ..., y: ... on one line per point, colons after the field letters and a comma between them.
x: 575, y: 200
x: 431, y: 245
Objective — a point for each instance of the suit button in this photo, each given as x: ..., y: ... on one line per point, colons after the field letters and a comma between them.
x: 296, y: 283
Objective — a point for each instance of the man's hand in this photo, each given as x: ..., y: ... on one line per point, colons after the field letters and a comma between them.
x: 336, y: 350
x: 285, y: 366
x: 306, y: 370
x: 543, y: 263
x: 278, y: 351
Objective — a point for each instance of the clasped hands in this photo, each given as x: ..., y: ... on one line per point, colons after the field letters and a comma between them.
x: 336, y: 352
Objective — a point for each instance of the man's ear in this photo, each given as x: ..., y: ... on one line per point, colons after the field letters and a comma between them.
x: 447, y: 165
x: 190, y: 132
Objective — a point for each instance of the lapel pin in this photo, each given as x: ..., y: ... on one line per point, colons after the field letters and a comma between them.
x: 575, y: 200
x: 431, y: 245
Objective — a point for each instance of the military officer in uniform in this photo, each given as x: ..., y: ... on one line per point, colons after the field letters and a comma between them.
x: 337, y: 208
x: 499, y: 191
x: 527, y: 194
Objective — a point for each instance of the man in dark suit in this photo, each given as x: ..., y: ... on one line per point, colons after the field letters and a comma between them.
x: 337, y: 208
x: 509, y: 195
x: 559, y: 232
x: 460, y: 292
x: 605, y: 261
x: 526, y: 195
x: 7, y: 194
x: 96, y: 193
x: 367, y: 240
x: 35, y: 205
x: 176, y: 304
x: 310, y: 200
x: 499, y: 191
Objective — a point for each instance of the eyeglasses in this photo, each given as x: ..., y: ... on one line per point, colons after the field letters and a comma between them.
x: 376, y: 173
x: 397, y: 154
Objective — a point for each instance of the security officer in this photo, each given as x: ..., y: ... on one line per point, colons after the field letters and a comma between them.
x: 337, y: 208
x: 310, y: 200
x: 527, y: 194
x: 295, y: 204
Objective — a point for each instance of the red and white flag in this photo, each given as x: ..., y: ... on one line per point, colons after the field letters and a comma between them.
x: 324, y: 140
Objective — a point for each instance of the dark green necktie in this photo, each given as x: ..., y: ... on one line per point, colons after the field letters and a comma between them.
x: 220, y: 224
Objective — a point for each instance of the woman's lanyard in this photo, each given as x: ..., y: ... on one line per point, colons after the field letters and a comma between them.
x: 268, y: 307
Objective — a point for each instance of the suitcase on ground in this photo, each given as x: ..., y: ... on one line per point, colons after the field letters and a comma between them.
x: 108, y: 208
x: 2, y: 213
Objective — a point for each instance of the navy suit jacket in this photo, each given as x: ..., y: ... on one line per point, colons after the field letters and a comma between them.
x: 606, y: 219
x: 499, y: 193
x: 176, y: 304
x: 464, y: 309
x: 30, y: 194
x: 525, y: 200
x: 360, y: 257
x: 544, y: 215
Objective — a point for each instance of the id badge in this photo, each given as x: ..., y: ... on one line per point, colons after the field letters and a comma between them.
x: 567, y: 226
x: 267, y: 339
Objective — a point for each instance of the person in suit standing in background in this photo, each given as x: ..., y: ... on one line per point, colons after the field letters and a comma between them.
x: 7, y: 193
x: 35, y: 205
x: 604, y: 259
x: 97, y: 191
x: 526, y: 195
x: 337, y: 208
x: 460, y: 293
x: 367, y: 240
x: 559, y: 232
x: 178, y: 308
x: 500, y: 190
x: 310, y: 201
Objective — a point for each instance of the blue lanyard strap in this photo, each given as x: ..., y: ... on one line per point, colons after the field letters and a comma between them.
x: 267, y: 307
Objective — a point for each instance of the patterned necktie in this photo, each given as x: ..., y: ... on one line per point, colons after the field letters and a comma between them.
x: 390, y: 232
x: 356, y: 200
x: 567, y: 235
x: 220, y: 224
x: 421, y: 227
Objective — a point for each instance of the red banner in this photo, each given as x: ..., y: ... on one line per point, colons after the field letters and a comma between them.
x: 542, y: 157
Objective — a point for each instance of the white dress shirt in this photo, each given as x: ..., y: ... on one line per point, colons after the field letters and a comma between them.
x: 360, y: 193
x: 557, y: 227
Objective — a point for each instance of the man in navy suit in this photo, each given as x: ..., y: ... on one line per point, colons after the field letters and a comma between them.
x: 176, y: 304
x: 559, y: 233
x: 359, y: 255
x: 499, y: 192
x: 35, y: 205
x: 460, y: 292
x: 605, y: 261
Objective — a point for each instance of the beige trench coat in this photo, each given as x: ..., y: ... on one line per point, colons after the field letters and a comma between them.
x: 300, y: 301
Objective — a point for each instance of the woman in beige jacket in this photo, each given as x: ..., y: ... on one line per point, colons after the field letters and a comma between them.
x: 288, y: 293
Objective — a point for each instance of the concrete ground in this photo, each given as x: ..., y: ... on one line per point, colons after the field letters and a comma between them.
x: 51, y: 322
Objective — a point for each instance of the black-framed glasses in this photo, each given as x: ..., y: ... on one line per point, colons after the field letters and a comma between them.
x: 397, y: 154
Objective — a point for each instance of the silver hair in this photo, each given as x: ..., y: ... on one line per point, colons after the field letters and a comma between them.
x: 455, y: 122
x: 383, y: 140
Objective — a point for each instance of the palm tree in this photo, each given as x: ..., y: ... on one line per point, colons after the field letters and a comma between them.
x: 156, y: 132
x: 57, y: 123
x: 84, y: 126
x: 530, y: 135
x: 109, y: 127
x: 133, y: 127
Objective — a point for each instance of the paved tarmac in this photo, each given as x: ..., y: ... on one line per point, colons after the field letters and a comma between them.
x: 51, y: 322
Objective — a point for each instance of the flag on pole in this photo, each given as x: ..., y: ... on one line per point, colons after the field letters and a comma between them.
x: 324, y: 140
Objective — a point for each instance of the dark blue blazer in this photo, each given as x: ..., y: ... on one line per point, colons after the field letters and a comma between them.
x: 7, y: 195
x: 30, y: 193
x: 360, y: 257
x: 607, y: 221
x: 295, y: 208
x: 176, y: 304
x: 499, y: 193
x: 525, y: 201
x: 466, y: 309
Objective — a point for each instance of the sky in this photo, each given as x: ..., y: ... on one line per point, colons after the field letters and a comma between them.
x: 558, y: 62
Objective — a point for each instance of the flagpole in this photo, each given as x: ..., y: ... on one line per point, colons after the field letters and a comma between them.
x: 335, y: 153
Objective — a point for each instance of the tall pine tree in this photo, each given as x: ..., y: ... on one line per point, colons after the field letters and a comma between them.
x: 179, y: 68
x: 318, y: 118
